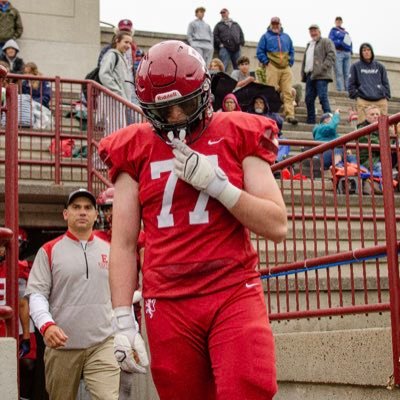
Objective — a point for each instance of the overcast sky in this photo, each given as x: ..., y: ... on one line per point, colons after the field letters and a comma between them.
x: 376, y: 22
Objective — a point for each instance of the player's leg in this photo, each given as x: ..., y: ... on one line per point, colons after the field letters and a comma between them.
x: 241, y: 347
x: 180, y: 363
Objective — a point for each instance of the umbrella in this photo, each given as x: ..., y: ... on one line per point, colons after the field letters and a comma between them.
x: 246, y: 93
x: 221, y: 85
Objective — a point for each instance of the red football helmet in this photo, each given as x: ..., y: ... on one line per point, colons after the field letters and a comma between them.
x: 106, y: 197
x: 22, y: 239
x: 173, y: 73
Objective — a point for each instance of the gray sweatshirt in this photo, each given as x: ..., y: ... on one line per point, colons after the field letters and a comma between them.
x: 199, y: 31
x: 73, y: 278
x: 116, y: 76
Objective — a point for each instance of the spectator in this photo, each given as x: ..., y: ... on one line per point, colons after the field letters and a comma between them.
x: 259, y: 105
x: 344, y: 49
x: 275, y: 52
x: 200, y: 36
x: 216, y: 65
x: 202, y: 293
x: 230, y: 103
x: 326, y: 131
x: 125, y: 25
x: 70, y: 304
x: 114, y: 70
x: 40, y: 91
x: 10, y: 22
x: 368, y: 83
x: 242, y: 75
x: 372, y: 113
x: 228, y: 37
x: 9, y: 55
x: 138, y: 57
x: 316, y: 71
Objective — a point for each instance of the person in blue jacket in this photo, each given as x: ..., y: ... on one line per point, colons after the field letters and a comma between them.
x: 326, y: 131
x: 344, y: 49
x: 275, y: 52
x: 368, y: 83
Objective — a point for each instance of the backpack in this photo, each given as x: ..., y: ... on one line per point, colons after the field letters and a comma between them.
x: 93, y: 75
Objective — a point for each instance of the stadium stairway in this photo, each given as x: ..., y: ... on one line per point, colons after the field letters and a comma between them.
x: 338, y: 357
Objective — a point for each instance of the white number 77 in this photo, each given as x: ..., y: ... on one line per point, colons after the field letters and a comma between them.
x: 199, y: 215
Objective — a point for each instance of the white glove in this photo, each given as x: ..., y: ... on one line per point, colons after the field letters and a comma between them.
x: 195, y: 169
x: 129, y: 348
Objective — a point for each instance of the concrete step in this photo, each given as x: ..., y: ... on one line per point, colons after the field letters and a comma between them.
x: 344, y: 357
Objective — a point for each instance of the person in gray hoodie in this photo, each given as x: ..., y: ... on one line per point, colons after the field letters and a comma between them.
x: 9, y: 56
x: 368, y: 83
x: 200, y: 36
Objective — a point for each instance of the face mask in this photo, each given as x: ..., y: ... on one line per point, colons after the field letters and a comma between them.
x: 258, y: 110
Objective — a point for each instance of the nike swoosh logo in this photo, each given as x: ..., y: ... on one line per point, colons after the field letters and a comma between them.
x: 211, y: 142
x: 250, y: 285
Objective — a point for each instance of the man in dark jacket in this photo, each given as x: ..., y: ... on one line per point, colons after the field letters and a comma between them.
x: 368, y: 83
x: 228, y: 37
x: 316, y: 71
x: 10, y: 22
x: 260, y: 106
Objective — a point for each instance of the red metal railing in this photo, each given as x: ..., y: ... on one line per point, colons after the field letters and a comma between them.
x: 58, y: 143
x: 9, y: 311
x: 341, y: 253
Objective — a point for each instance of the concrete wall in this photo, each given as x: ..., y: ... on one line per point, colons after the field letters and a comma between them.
x: 61, y: 37
x: 8, y: 370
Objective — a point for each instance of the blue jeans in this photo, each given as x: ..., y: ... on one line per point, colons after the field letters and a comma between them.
x: 314, y: 88
x: 342, y: 69
x: 226, y: 56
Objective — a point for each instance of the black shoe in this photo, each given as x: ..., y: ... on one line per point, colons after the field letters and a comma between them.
x: 292, y: 120
x: 312, y: 168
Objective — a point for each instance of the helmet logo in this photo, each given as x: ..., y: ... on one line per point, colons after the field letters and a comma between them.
x: 161, y: 97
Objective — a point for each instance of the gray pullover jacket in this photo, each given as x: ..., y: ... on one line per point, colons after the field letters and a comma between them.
x: 74, y: 280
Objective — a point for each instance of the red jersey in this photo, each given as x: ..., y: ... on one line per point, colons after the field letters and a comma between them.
x: 23, y: 273
x: 194, y: 245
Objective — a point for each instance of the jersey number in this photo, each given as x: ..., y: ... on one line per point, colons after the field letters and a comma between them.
x: 199, y: 215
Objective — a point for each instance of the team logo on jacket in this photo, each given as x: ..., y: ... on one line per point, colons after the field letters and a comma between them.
x: 103, y: 264
x: 150, y: 307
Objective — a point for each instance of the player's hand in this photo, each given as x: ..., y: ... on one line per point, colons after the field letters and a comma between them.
x: 24, y: 347
x: 195, y: 168
x: 55, y: 337
x: 129, y: 348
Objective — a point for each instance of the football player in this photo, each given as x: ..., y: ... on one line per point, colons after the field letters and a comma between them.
x: 200, y: 182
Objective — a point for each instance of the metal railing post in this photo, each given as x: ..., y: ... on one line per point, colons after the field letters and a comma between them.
x: 89, y: 130
x: 57, y: 133
x: 11, y: 206
x: 391, y: 241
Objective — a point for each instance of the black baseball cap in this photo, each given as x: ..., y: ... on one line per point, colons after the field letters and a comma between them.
x: 80, y: 193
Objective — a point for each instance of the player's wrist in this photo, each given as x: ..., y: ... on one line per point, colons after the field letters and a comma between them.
x: 124, y: 319
x: 221, y: 189
x: 229, y: 196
